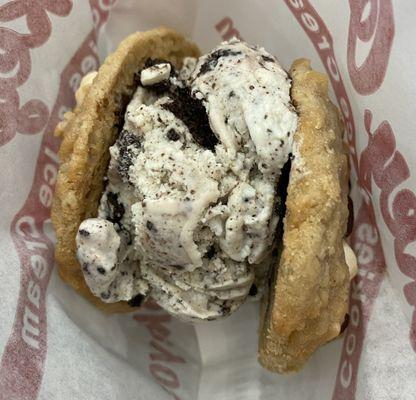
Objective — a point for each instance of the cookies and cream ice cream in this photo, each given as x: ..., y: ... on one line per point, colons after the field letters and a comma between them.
x: 189, y: 212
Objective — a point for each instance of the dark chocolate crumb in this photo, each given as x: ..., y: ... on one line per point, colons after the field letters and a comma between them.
x: 83, y: 232
x: 212, y: 60
x: 253, y: 290
x: 210, y: 252
x: 231, y: 94
x: 150, y: 226
x: 251, y: 87
x: 345, y: 323
x: 128, y: 143
x: 116, y: 209
x: 225, y: 310
x: 173, y: 135
x: 193, y: 114
x: 267, y: 58
x: 85, y: 269
x: 160, y: 87
x: 136, y: 301
x: 101, y: 270
x: 105, y: 295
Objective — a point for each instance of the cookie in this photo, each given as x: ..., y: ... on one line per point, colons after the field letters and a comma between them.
x: 308, y: 294
x: 89, y: 130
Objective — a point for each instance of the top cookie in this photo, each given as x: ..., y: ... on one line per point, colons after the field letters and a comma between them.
x: 308, y: 298
x: 89, y: 130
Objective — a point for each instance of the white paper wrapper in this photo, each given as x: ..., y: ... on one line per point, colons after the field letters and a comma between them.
x: 54, y: 345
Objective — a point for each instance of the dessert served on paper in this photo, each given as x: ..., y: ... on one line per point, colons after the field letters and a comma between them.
x: 203, y: 182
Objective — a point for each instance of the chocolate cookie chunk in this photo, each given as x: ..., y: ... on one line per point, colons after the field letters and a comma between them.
x: 128, y: 145
x: 192, y: 113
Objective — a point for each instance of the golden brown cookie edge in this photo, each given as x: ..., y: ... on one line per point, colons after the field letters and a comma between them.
x: 308, y: 302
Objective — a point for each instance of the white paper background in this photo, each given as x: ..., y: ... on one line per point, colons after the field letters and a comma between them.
x: 90, y: 355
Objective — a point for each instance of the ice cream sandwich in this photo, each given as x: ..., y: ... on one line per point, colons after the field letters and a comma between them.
x: 203, y: 182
